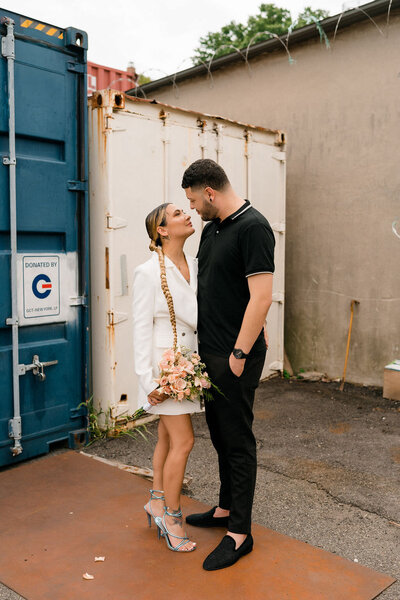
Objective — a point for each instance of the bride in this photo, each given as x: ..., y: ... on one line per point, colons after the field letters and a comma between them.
x: 164, y: 300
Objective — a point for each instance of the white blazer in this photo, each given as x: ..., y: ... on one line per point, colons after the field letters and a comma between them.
x: 152, y: 330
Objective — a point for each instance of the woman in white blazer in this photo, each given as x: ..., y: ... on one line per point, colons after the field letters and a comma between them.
x: 168, y: 228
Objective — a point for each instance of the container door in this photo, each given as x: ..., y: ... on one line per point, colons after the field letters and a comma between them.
x: 50, y: 263
x: 256, y: 168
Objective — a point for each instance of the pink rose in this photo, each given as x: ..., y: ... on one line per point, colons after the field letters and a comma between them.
x: 205, y: 384
x: 163, y: 364
x: 163, y: 381
x: 181, y: 396
x: 169, y: 355
x: 180, y: 384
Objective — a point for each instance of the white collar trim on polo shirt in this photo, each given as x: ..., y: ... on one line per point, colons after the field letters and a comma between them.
x: 241, y: 212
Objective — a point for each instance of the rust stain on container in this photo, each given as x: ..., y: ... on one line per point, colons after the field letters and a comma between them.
x: 339, y: 428
x: 111, y: 335
x: 107, y: 257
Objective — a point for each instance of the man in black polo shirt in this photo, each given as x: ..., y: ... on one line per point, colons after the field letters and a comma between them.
x: 236, y: 263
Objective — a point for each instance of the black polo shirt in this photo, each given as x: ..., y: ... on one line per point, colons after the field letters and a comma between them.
x: 229, y: 252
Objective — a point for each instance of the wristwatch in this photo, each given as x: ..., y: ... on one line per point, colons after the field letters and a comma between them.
x: 238, y: 353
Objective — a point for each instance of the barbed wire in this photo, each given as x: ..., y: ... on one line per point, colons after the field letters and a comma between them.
x: 244, y: 53
x: 394, y: 228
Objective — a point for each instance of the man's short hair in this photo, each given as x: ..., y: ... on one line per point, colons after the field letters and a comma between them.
x: 205, y: 173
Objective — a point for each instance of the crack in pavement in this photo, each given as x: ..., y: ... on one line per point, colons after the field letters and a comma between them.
x: 328, y: 493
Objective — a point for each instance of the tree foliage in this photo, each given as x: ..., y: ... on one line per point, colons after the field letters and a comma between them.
x: 143, y: 79
x: 270, y: 20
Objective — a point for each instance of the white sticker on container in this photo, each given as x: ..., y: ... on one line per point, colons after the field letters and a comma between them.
x: 41, y: 286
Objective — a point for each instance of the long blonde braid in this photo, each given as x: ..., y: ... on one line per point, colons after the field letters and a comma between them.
x: 164, y: 286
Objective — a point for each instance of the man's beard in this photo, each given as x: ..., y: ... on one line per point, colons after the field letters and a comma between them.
x: 209, y: 213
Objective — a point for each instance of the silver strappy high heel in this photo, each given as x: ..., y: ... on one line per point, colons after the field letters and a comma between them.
x: 153, y: 496
x: 164, y: 531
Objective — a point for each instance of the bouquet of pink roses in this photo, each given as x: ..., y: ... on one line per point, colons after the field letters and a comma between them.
x: 183, y: 375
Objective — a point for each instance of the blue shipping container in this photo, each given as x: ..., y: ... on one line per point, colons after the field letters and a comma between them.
x: 44, y: 320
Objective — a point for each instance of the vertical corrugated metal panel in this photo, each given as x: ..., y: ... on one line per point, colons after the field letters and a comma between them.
x: 138, y: 152
x: 52, y: 235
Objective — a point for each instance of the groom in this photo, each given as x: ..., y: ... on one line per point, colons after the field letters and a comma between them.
x: 236, y: 263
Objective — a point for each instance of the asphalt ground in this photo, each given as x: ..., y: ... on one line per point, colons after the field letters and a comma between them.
x: 328, y: 469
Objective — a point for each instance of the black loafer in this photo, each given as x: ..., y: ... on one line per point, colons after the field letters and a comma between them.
x: 225, y: 554
x: 207, y: 519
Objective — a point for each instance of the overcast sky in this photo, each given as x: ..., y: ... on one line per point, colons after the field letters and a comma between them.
x: 158, y: 36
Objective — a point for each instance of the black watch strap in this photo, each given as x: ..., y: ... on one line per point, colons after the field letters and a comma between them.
x: 238, y: 353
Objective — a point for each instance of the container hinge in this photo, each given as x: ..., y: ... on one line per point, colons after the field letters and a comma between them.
x: 9, y: 161
x: 116, y: 317
x: 8, y: 41
x: 278, y: 297
x: 15, y: 428
x: 78, y: 301
x: 77, y: 186
x: 277, y: 365
x: 278, y: 227
x: 76, y: 67
x: 281, y: 156
x: 116, y: 222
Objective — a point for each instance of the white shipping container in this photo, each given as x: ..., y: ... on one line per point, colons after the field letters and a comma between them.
x: 138, y: 151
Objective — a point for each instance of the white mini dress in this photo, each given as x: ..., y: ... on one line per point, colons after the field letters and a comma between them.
x: 152, y: 330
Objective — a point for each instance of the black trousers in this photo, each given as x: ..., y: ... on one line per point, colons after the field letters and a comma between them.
x: 229, y: 417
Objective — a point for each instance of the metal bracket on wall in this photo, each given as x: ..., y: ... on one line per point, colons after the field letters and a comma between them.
x: 278, y: 227
x: 278, y: 297
x: 281, y: 156
x: 116, y: 317
x: 116, y: 222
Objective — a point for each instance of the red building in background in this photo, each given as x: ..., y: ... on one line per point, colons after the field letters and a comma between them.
x: 100, y: 77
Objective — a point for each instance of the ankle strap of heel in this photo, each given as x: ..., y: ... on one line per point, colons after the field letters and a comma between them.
x: 173, y: 513
x: 153, y: 495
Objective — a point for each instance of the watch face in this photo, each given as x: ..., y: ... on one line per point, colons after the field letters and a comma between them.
x: 238, y: 354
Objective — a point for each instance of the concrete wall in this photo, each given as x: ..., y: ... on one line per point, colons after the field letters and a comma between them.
x: 340, y: 109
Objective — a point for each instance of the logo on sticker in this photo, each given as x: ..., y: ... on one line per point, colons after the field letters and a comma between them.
x: 41, y: 290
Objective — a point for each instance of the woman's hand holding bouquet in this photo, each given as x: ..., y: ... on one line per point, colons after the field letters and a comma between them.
x: 183, y: 376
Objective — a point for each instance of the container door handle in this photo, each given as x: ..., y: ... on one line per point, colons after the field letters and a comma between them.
x: 36, y: 367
